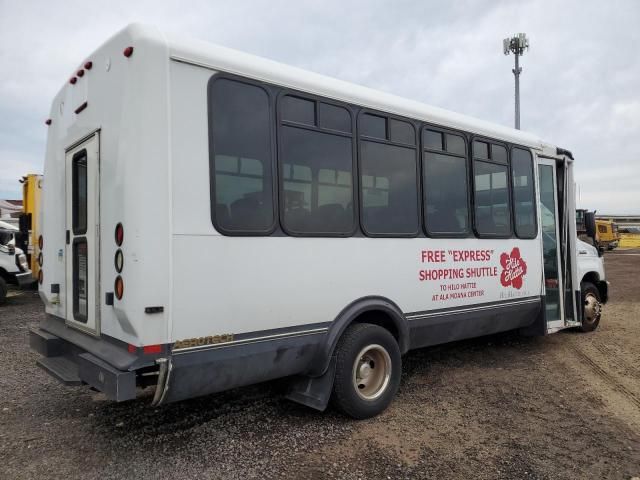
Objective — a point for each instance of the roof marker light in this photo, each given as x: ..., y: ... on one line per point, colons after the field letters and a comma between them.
x: 48, y: 121
x: 73, y: 80
x: 80, y: 73
x: 128, y: 52
x: 88, y: 65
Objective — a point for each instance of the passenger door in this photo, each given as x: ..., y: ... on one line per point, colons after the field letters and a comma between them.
x: 549, y: 225
x: 82, y: 235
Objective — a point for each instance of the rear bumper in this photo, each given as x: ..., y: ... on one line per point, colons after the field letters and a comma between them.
x: 74, y: 358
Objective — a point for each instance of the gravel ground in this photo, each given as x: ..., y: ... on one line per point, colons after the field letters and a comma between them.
x: 563, y: 406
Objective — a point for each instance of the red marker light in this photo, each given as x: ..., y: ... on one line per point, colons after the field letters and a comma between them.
x: 73, y: 80
x: 119, y: 234
x: 80, y: 73
x: 128, y: 52
x: 88, y: 65
x: 150, y: 349
x: 48, y: 121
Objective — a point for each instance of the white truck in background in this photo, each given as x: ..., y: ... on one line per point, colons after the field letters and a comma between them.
x: 14, y: 268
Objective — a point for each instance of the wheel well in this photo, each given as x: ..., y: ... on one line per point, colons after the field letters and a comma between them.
x: 603, y: 289
x: 591, y: 277
x: 380, y: 318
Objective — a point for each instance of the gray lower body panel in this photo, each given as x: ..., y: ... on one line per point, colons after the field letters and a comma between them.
x: 201, y: 372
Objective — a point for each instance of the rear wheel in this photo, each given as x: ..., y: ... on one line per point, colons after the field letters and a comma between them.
x: 368, y: 368
x: 591, y: 307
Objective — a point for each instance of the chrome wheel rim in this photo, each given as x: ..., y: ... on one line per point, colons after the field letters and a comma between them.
x: 371, y: 372
x: 592, y: 308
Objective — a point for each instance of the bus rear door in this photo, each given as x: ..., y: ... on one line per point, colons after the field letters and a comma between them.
x: 82, y: 235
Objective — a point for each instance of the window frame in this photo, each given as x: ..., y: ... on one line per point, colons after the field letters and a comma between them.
x: 506, y: 146
x: 212, y: 154
x: 279, y: 122
x: 535, y: 193
x: 386, y: 141
x: 470, y: 231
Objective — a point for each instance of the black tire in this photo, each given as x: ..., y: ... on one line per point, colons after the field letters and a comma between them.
x: 347, y: 394
x: 3, y: 291
x: 590, y: 313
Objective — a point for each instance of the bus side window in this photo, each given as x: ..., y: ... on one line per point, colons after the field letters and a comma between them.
x: 445, y: 183
x: 316, y: 165
x: 242, y: 162
x: 389, y: 179
x: 492, y: 217
x: 523, y: 193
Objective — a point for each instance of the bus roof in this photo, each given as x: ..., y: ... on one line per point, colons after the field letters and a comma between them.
x: 258, y: 68
x: 219, y: 58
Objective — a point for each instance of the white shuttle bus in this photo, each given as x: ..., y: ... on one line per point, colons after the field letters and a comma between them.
x: 212, y: 219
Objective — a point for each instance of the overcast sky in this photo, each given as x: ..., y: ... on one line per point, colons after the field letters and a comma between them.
x: 580, y: 86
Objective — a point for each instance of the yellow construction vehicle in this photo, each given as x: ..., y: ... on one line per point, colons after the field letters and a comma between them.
x: 27, y: 240
x: 607, y: 234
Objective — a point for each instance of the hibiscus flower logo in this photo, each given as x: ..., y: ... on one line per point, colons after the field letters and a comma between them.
x: 513, y: 269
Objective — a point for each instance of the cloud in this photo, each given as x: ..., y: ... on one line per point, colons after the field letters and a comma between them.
x: 579, y: 83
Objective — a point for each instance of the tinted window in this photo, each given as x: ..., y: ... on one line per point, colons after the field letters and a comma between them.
x: 335, y: 118
x: 389, y: 189
x: 80, y: 279
x: 523, y: 193
x: 480, y: 149
x: 298, y: 110
x: 498, y: 153
x: 455, y: 144
x: 317, y: 184
x: 402, y: 132
x: 445, y: 184
x: 79, y: 195
x: 373, y: 126
x: 492, y: 206
x: 433, y: 140
x: 242, y: 162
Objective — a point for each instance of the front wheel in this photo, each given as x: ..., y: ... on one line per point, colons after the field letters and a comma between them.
x: 368, y: 368
x: 591, y: 307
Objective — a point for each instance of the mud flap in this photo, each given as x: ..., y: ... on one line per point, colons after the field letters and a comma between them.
x: 313, y: 392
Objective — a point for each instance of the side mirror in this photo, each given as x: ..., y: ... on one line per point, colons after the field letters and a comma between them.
x: 590, y: 224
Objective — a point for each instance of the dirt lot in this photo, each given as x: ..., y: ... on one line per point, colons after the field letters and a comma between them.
x: 564, y: 406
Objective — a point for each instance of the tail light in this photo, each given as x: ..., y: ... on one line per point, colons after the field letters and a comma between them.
x: 40, y: 277
x: 118, y: 287
x: 40, y: 259
x: 119, y: 234
x: 40, y: 242
x: 119, y: 261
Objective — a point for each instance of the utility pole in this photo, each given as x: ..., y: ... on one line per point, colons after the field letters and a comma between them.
x: 516, y: 45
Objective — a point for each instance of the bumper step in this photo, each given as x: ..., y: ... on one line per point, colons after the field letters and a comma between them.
x: 61, y: 368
